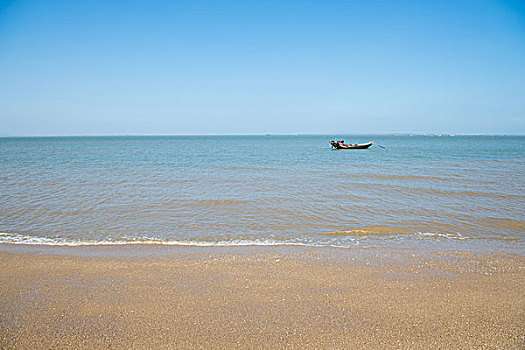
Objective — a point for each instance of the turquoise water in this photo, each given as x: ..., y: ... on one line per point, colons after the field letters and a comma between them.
x: 418, y: 191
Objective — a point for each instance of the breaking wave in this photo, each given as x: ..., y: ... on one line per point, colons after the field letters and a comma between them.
x: 337, y: 239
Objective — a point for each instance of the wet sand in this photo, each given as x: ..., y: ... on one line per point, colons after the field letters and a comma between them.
x: 259, y: 298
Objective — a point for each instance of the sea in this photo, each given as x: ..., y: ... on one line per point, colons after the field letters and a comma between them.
x: 462, y: 193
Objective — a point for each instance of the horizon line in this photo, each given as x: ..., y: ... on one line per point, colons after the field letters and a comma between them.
x: 435, y: 134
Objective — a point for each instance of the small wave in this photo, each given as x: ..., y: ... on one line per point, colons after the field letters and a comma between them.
x: 503, y: 223
x: 209, y: 203
x: 249, y: 168
x: 441, y: 235
x: 13, y: 238
x: 455, y: 178
x: 370, y: 231
x: 459, y: 236
x: 463, y: 193
x: 411, y: 177
x: 336, y: 239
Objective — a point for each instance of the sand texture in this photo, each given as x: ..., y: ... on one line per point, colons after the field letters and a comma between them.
x: 261, y: 299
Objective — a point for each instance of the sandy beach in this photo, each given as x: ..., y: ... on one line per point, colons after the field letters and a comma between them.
x: 264, y: 298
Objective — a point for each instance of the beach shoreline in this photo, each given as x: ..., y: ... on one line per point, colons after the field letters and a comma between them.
x: 258, y: 297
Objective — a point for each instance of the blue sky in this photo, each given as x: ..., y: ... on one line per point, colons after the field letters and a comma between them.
x: 255, y: 67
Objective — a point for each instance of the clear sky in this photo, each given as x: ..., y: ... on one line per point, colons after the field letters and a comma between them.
x: 254, y: 67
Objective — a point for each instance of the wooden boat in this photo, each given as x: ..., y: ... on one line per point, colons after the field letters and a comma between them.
x: 341, y: 145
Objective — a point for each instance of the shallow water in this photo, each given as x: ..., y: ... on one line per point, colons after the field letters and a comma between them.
x: 463, y: 191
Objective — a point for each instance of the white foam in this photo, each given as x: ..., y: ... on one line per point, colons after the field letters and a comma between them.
x: 346, y: 242
x: 442, y: 235
x: 14, y: 238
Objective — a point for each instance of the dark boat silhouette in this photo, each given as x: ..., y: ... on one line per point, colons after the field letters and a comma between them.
x: 342, y: 145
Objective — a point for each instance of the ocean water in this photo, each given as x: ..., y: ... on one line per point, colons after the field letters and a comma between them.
x: 462, y: 192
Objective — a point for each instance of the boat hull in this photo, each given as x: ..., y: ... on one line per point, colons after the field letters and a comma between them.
x: 355, y: 146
